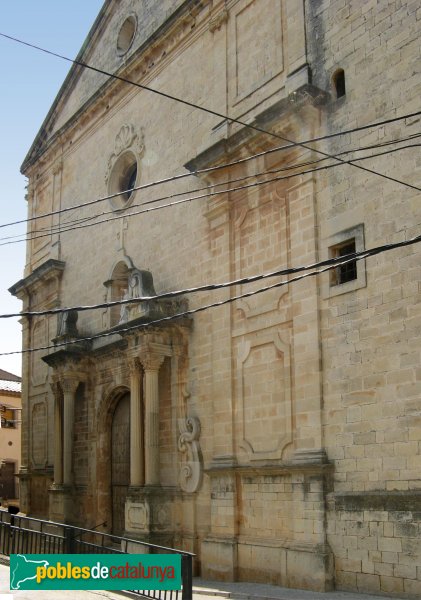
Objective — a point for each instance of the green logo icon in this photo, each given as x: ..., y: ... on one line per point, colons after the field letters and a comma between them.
x: 95, y: 571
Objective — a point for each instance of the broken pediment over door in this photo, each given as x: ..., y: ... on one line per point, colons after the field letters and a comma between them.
x: 128, y: 283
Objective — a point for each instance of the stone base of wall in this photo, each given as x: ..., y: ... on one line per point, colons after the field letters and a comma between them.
x: 292, y: 566
x: 34, y: 487
x: 375, y: 537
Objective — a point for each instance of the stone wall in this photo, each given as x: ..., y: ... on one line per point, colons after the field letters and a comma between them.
x: 370, y: 334
x: 306, y: 394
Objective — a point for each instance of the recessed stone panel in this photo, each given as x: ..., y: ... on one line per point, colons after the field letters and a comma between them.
x: 258, y: 37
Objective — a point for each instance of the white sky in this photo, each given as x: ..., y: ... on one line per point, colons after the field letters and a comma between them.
x: 30, y: 81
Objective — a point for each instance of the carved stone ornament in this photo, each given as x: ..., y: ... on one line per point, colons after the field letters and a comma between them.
x: 126, y: 139
x: 218, y: 20
x: 188, y: 444
x: 67, y: 324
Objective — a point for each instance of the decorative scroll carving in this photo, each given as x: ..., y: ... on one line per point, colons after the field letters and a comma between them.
x: 126, y: 138
x: 188, y: 444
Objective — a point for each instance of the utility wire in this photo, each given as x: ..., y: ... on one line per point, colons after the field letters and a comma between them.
x: 211, y: 169
x: 204, y: 109
x: 346, y: 259
x: 331, y: 263
x: 68, y: 225
x: 183, y: 314
x: 208, y: 194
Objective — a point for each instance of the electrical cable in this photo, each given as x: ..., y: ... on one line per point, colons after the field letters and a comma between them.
x: 204, y: 109
x: 184, y: 314
x: 354, y: 257
x: 208, y: 194
x: 65, y: 226
x: 211, y: 169
x: 330, y: 262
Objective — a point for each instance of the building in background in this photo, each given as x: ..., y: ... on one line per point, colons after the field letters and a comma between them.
x: 278, y: 434
x: 10, y: 443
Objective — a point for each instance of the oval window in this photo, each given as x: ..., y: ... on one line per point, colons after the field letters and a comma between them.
x: 126, y: 35
x: 123, y: 179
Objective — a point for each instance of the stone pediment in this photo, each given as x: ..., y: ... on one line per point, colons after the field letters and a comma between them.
x: 120, y: 32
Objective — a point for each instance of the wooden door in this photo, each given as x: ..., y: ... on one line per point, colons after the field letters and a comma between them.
x: 7, y: 480
x: 120, y: 462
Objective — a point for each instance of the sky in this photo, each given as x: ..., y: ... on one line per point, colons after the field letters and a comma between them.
x: 30, y: 82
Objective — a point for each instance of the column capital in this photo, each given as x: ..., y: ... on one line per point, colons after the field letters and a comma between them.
x: 55, y: 387
x: 135, y: 366
x: 151, y: 361
x: 69, y: 384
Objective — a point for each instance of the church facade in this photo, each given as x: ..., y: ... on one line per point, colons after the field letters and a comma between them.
x: 277, y: 434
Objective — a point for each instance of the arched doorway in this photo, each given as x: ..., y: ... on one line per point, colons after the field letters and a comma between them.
x: 120, y: 462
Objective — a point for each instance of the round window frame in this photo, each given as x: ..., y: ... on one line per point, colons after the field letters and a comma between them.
x: 120, y: 175
x: 124, y: 46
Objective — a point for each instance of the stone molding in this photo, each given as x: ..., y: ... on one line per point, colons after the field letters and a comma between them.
x: 269, y: 468
x: 382, y: 500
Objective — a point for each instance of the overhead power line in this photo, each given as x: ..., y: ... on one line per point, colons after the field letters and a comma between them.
x: 202, y: 108
x: 216, y: 168
x: 208, y: 194
x: 68, y: 225
x: 183, y: 314
x: 345, y: 260
x: 330, y: 262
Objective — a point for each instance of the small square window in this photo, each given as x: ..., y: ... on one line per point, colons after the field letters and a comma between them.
x: 350, y: 276
x: 8, y: 418
x: 348, y: 271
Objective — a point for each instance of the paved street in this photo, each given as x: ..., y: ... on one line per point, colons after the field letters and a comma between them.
x: 203, y: 590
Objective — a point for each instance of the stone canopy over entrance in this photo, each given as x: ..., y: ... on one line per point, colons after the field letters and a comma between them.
x: 121, y: 409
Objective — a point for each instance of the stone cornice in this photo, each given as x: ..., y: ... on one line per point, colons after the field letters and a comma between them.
x: 73, y: 353
x: 382, y: 500
x: 51, y: 268
x: 286, y: 468
x: 149, y: 340
x: 306, y: 95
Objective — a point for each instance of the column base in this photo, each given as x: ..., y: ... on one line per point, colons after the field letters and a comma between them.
x: 150, y: 512
x: 61, y: 504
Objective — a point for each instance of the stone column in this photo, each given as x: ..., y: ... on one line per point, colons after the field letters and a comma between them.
x: 69, y: 387
x: 58, y: 435
x: 151, y: 364
x: 137, y: 474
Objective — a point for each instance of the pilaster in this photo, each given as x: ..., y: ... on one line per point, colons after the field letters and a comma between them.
x: 137, y: 469
x: 151, y: 363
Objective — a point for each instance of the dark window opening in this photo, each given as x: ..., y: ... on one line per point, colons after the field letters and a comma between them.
x: 339, y: 83
x: 348, y: 271
x: 129, y: 182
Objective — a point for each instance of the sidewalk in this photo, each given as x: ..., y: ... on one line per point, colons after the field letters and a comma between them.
x: 202, y: 590
x: 207, y: 590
